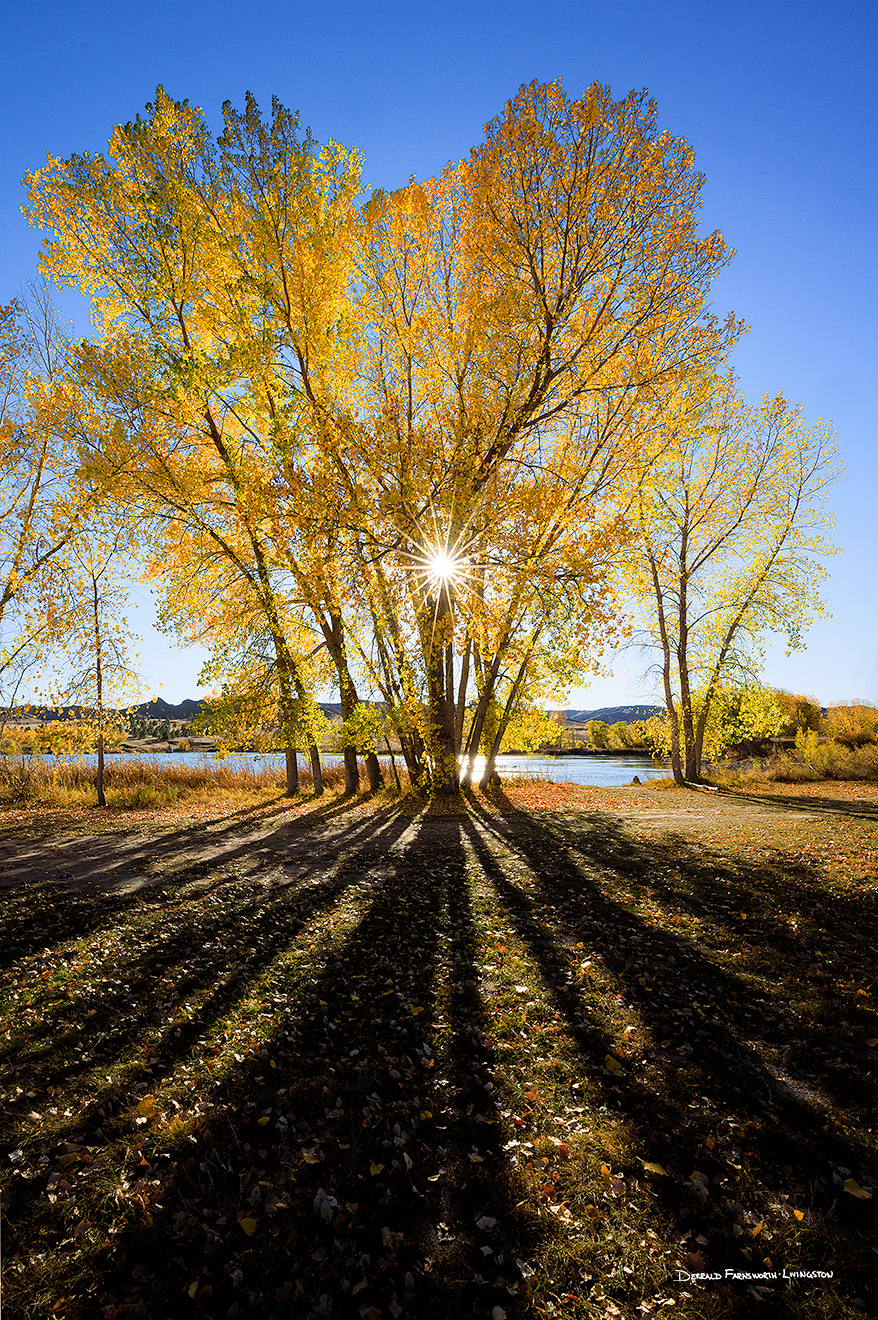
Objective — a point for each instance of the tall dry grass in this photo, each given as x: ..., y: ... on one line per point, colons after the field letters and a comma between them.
x: 813, y: 761
x: 139, y: 783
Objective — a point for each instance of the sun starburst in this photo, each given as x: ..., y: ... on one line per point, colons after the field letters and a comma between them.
x: 443, y: 568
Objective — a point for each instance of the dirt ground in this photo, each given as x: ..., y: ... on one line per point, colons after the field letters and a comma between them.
x: 122, y: 852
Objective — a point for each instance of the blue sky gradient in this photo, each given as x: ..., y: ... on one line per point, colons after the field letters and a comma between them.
x: 776, y: 98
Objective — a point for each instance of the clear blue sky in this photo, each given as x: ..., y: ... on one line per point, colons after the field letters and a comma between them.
x: 776, y: 96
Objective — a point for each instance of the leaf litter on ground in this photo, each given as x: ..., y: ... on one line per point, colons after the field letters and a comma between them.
x: 376, y: 1072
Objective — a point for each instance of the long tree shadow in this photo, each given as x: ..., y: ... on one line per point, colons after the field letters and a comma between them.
x: 207, y: 959
x: 709, y: 1072
x: 822, y: 805
x: 354, y: 1161
x: 41, y: 915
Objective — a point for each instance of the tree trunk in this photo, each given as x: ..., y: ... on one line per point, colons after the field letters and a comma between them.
x: 676, y: 767
x: 446, y: 777
x: 334, y: 636
x: 99, y: 677
x: 373, y: 770
x: 460, y: 713
x: 490, y: 778
x: 292, y: 763
x: 393, y: 765
x: 413, y: 753
x: 692, y: 772
x: 480, y: 714
x: 316, y: 770
x: 102, y: 801
x: 351, y: 772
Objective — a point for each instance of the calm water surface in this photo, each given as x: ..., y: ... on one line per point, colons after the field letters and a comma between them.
x: 604, y: 771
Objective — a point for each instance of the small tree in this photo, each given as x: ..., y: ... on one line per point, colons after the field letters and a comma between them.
x: 800, y: 712
x: 95, y: 641
x: 529, y: 729
x: 598, y: 733
x: 618, y: 735
x: 728, y: 533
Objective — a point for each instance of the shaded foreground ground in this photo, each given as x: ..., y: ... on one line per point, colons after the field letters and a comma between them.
x: 535, y: 1056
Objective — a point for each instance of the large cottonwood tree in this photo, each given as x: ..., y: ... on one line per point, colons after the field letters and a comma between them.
x: 418, y: 412
x: 520, y: 313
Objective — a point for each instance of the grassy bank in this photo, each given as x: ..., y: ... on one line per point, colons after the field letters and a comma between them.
x: 137, y: 783
x: 354, y: 1061
x: 814, y: 763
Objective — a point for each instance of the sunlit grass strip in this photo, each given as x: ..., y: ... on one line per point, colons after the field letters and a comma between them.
x: 169, y: 1112
x: 213, y: 1052
x: 584, y: 966
x: 563, y: 1141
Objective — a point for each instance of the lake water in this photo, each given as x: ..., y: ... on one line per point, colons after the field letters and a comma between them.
x: 604, y: 771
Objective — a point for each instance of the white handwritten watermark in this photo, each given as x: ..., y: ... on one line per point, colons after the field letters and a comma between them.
x: 751, y: 1276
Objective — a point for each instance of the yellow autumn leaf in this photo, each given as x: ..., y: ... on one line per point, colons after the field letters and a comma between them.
x: 375, y: 1169
x: 264, y: 1120
x: 611, y: 1064
x: 249, y: 1226
x: 853, y: 1188
x: 146, y: 1106
x: 799, y: 1215
x: 758, y: 1229
x: 654, y: 1168
x: 605, y: 1171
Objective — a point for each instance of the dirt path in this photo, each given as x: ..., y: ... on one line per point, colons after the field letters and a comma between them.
x: 291, y: 843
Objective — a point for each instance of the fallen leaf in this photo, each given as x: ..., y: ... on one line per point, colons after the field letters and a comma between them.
x: 146, y: 1106
x: 375, y: 1169
x: 799, y: 1214
x: 264, y: 1120
x: 758, y: 1229
x: 611, y: 1064
x: 249, y: 1226
x: 654, y: 1168
x: 853, y: 1188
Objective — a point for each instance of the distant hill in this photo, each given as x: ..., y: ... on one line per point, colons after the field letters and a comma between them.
x: 611, y: 714
x: 159, y: 709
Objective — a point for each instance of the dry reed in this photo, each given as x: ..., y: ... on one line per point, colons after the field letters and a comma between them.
x: 139, y: 782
